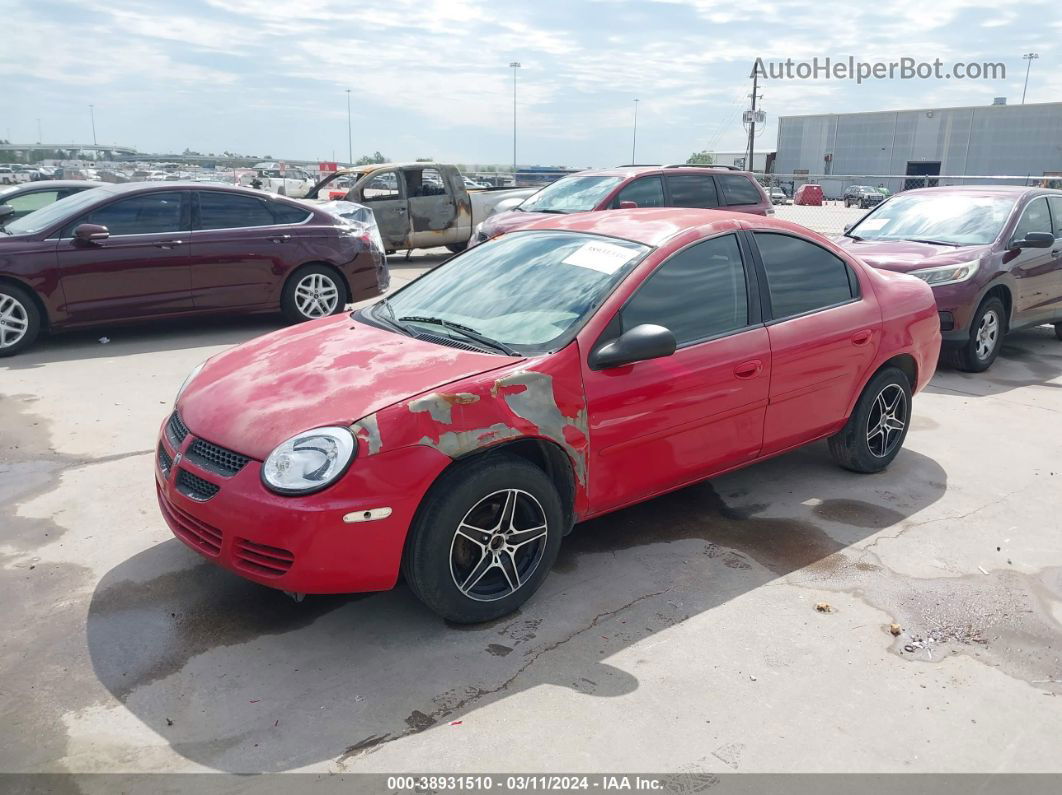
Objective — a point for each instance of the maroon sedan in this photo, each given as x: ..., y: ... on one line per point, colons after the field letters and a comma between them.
x: 628, y: 187
x: 149, y: 250
x: 992, y: 254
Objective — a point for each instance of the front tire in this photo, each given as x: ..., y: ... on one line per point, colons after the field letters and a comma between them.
x: 986, y: 338
x: 484, y: 539
x: 20, y: 320
x: 313, y: 292
x: 875, y: 432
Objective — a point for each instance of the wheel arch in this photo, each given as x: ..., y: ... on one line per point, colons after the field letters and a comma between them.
x: 1003, y: 293
x: 34, y: 295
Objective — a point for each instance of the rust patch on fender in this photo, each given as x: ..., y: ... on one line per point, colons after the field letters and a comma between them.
x: 457, y: 443
x: 440, y: 404
x: 537, y: 404
x: 367, y: 430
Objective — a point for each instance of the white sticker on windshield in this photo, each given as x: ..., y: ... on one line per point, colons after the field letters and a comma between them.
x: 604, y: 257
x: 873, y: 224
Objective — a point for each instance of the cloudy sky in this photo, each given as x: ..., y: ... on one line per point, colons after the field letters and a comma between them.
x: 430, y: 78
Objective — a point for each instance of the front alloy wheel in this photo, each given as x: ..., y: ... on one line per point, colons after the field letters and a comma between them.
x: 987, y: 337
x: 498, y: 545
x: 20, y: 320
x: 484, y: 538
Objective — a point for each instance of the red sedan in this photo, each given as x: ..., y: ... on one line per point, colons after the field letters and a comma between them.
x: 459, y: 429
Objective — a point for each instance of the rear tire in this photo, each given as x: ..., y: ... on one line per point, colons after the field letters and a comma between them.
x: 484, y: 539
x: 1058, y: 330
x: 313, y: 292
x: 875, y: 432
x: 987, y: 329
x: 20, y: 320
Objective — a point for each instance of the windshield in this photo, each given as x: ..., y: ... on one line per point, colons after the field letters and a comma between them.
x: 570, y: 195
x: 526, y: 290
x: 946, y: 218
x: 41, y: 219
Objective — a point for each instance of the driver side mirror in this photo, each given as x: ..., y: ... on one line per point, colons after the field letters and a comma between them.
x: 647, y: 341
x: 1035, y: 240
x: 90, y: 233
x: 626, y: 204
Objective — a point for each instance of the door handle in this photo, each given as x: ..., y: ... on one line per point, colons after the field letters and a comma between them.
x: 748, y: 369
x: 862, y: 337
x: 281, y: 238
x: 401, y: 210
x: 168, y: 244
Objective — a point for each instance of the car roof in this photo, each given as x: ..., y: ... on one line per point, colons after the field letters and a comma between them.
x: 654, y: 226
x: 985, y: 190
x: 45, y: 184
x: 142, y: 187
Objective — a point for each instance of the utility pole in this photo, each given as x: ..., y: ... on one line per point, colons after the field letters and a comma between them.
x: 752, y: 118
x: 40, y: 137
x: 1030, y: 57
x: 634, y: 140
x: 514, y: 65
x: 350, y: 140
x: 92, y: 116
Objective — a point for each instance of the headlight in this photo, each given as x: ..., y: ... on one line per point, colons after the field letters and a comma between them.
x: 309, y: 461
x: 188, y: 380
x: 947, y: 274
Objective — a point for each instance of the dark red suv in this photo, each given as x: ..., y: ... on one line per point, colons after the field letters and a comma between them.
x: 992, y: 254
x: 149, y: 250
x: 627, y: 187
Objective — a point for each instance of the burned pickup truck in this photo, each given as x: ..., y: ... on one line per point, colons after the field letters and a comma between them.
x: 418, y: 205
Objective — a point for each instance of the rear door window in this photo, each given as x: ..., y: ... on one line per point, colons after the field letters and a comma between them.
x: 692, y: 190
x: 699, y: 293
x: 738, y: 189
x: 802, y: 276
x: 232, y: 211
x: 645, y: 192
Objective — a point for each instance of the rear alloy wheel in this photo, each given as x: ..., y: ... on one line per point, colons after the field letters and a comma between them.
x: 986, y: 338
x: 20, y: 320
x: 484, y: 539
x: 875, y: 432
x: 312, y: 293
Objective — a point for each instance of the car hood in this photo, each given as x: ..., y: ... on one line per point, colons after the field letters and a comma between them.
x: 511, y: 220
x: 905, y: 255
x: 332, y: 371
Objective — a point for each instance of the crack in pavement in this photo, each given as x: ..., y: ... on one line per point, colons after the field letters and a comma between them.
x: 420, y: 721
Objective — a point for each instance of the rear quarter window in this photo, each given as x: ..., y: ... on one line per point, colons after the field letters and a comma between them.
x: 290, y: 214
x: 738, y: 189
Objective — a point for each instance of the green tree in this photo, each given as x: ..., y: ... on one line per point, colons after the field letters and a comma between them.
x: 368, y: 160
x: 702, y: 158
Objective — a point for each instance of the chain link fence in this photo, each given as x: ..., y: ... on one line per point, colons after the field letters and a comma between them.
x: 848, y: 197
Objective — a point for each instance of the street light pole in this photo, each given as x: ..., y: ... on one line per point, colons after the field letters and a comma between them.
x: 634, y: 138
x: 514, y: 65
x: 92, y: 116
x: 350, y: 140
x: 1030, y: 57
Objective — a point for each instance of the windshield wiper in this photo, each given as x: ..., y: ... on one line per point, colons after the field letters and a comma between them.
x: 471, y: 333
x: 552, y: 212
x: 389, y: 319
x: 934, y: 242
x: 854, y: 237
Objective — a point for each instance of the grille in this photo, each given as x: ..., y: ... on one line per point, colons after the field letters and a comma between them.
x: 195, y: 487
x: 198, y: 535
x: 464, y: 346
x: 260, y: 559
x: 216, y: 459
x: 176, y: 429
x: 165, y: 462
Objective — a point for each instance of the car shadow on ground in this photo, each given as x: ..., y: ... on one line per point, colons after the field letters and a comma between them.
x: 238, y: 677
x: 1030, y: 357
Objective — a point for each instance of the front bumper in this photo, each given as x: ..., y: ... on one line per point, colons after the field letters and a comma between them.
x: 298, y: 544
